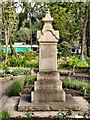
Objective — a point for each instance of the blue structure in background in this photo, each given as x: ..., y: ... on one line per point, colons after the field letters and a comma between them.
x: 82, y: 57
x: 21, y: 47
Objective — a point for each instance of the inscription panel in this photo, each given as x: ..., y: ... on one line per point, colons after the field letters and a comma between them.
x: 48, y: 57
x: 47, y: 52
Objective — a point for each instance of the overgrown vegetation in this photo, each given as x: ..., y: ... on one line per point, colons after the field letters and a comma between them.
x: 78, y: 85
x: 88, y: 61
x: 31, y: 79
x: 65, y: 114
x: 16, y: 87
x: 15, y: 72
x: 4, y: 115
x: 69, y: 62
x: 28, y: 59
x: 19, y: 71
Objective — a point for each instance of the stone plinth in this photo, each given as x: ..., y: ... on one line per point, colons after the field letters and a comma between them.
x: 50, y: 106
x: 48, y: 87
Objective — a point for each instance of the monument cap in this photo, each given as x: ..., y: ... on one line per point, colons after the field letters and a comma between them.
x: 48, y: 17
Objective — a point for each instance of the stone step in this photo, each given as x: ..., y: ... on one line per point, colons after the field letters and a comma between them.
x: 48, y: 96
x: 47, y: 86
x: 48, y: 76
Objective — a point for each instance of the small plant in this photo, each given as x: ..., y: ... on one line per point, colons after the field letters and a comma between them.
x: 19, y: 71
x: 64, y: 114
x: 28, y: 113
x: 84, y: 90
x: 85, y: 114
x: 32, y: 79
x: 5, y: 68
x: 16, y: 87
x: 4, y: 115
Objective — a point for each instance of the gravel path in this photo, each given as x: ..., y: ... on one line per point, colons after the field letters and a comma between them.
x: 5, y: 88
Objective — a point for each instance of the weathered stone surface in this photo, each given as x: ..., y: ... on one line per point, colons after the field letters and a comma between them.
x: 48, y: 75
x: 51, y: 106
x: 48, y: 57
x: 48, y: 96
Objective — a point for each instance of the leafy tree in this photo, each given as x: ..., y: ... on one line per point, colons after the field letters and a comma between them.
x: 64, y: 48
x: 32, y: 17
x: 8, y: 22
x: 83, y: 8
x: 23, y: 35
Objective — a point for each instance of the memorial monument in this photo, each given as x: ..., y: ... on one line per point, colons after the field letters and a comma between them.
x: 48, y: 87
x: 48, y: 93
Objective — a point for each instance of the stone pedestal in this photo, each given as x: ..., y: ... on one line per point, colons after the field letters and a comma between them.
x: 48, y: 87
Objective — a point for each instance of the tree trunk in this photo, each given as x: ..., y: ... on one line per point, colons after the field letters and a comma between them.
x: 30, y: 31
x: 12, y: 48
x: 88, y: 33
x: 83, y: 42
x: 84, y: 31
x: 6, y: 40
x: 30, y: 27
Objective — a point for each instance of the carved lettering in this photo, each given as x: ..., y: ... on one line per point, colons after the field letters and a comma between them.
x: 47, y: 52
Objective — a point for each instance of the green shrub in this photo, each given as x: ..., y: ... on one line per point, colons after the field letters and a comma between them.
x: 28, y: 59
x: 4, y: 115
x: 16, y: 87
x: 70, y: 62
x: 31, y: 79
x: 15, y: 61
x: 19, y: 71
x: 2, y: 53
x: 74, y: 84
x: 27, y: 72
x: 88, y: 60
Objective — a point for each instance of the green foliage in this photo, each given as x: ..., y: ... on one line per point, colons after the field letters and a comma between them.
x: 15, y: 61
x: 64, y: 114
x: 4, y: 115
x: 19, y: 71
x: 16, y: 87
x: 2, y: 54
x: 88, y: 61
x: 86, y: 114
x: 5, y: 68
x: 74, y: 84
x: 64, y: 48
x: 31, y: 79
x: 23, y: 35
x: 70, y: 62
x: 28, y: 113
x: 28, y: 59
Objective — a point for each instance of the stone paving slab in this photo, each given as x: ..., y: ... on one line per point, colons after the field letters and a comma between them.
x: 83, y: 103
x: 12, y: 103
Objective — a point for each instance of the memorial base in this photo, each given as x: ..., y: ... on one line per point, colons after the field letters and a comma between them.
x: 24, y: 104
x: 48, y: 88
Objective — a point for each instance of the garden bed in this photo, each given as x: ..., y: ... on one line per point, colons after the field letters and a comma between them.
x: 28, y: 87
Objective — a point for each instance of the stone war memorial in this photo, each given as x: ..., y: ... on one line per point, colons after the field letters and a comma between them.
x: 48, y: 93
